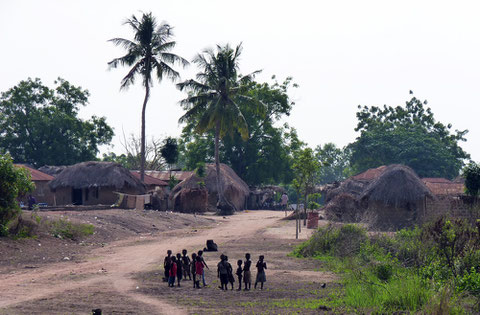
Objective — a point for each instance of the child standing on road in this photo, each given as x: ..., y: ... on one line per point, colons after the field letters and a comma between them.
x: 186, y: 265
x: 239, y: 274
x: 198, y: 271
x: 166, y: 265
x: 222, y: 273
x: 247, y: 276
x: 179, y: 269
x: 194, y: 270
x: 231, y: 278
x: 200, y: 255
x: 261, y: 277
x: 173, y: 272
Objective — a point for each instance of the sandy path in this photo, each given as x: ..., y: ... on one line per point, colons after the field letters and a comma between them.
x: 116, y: 263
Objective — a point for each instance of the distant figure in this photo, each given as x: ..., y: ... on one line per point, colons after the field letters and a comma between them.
x: 31, y: 202
x: 285, y: 202
x: 186, y: 265
x: 231, y: 278
x: 239, y: 274
x: 261, y: 277
x: 200, y: 254
x: 194, y: 261
x: 173, y: 272
x: 198, y: 271
x: 167, y: 262
x: 247, y: 276
x: 179, y: 269
x: 222, y: 272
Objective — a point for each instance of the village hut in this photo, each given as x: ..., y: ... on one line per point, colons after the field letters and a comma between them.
x: 94, y: 183
x: 151, y: 183
x: 344, y: 208
x: 42, y: 192
x: 52, y: 170
x: 235, y: 190
x: 350, y: 186
x: 396, y: 199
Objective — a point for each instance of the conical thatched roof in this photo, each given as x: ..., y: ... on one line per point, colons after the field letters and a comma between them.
x: 398, y: 186
x: 96, y: 174
x: 235, y: 191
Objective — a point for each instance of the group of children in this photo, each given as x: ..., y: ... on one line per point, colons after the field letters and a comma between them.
x: 225, y: 273
x: 180, y: 266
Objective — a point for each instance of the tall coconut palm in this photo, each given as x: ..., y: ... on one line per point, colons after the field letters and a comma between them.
x: 212, y: 101
x: 148, y: 54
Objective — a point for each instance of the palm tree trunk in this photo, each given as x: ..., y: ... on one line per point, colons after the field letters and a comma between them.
x: 217, y: 163
x: 142, y: 148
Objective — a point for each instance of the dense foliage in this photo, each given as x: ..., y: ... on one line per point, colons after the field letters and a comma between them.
x: 407, y: 135
x: 14, y: 183
x: 266, y: 157
x: 471, y: 173
x: 426, y: 269
x: 335, y: 163
x: 40, y: 126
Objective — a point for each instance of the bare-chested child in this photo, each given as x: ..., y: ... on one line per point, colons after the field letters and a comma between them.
x: 247, y: 276
x: 167, y: 262
x: 186, y: 265
x: 239, y: 274
x: 261, y: 277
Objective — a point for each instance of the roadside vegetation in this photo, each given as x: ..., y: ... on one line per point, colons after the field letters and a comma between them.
x: 434, y: 268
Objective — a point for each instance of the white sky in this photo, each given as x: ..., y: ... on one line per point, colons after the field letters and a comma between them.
x: 341, y: 53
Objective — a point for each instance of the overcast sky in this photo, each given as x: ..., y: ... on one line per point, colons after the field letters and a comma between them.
x: 341, y: 53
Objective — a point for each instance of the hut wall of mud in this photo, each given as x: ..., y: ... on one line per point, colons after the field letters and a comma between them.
x: 90, y: 196
x: 191, y: 200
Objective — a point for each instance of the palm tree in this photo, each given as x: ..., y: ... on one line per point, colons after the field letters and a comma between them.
x: 148, y: 52
x: 212, y: 101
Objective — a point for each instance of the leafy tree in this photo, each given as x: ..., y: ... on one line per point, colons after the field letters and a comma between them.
x: 306, y: 167
x: 40, y: 126
x: 266, y: 156
x: 335, y: 163
x: 408, y: 135
x: 14, y: 183
x: 148, y: 53
x: 213, y: 101
x: 471, y: 173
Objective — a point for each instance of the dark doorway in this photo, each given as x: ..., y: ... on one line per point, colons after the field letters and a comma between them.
x: 77, y: 197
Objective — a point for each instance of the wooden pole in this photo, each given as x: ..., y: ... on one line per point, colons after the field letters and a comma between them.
x: 296, y: 223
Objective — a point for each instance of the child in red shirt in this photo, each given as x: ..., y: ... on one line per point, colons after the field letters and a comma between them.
x: 198, y: 271
x: 172, y: 272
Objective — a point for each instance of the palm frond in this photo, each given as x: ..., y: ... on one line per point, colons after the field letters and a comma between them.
x: 130, y: 77
x: 125, y: 43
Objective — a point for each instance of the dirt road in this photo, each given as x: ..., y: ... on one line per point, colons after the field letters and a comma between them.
x: 114, y: 265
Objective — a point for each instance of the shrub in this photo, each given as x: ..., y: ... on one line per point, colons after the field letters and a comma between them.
x: 384, y: 271
x: 339, y: 241
x: 14, y: 183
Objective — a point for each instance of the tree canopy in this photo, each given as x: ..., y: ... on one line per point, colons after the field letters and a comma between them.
x: 266, y: 156
x: 335, y: 163
x: 407, y: 135
x: 40, y: 125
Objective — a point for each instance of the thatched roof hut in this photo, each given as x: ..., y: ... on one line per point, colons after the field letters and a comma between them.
x: 397, y: 197
x: 345, y: 208
x: 350, y: 186
x: 235, y: 190
x: 94, y: 183
x: 52, y: 170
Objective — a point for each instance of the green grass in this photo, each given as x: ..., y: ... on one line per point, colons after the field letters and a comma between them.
x: 66, y: 229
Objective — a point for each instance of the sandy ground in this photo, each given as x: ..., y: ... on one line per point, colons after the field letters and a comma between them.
x: 119, y: 276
